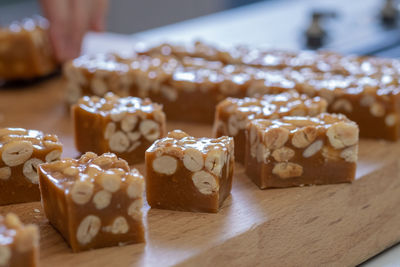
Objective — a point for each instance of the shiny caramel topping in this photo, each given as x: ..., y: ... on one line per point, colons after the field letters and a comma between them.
x: 38, y: 139
x: 204, y: 157
x: 113, y: 104
x: 324, y: 120
x: 179, y: 140
x: 280, y: 59
x: 276, y: 105
x: 107, y: 62
x: 197, y: 49
x: 80, y: 175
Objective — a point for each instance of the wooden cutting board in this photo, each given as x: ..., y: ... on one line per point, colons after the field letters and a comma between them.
x: 335, y: 225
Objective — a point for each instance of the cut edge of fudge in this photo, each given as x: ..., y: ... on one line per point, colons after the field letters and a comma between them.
x: 189, y: 174
x: 94, y: 202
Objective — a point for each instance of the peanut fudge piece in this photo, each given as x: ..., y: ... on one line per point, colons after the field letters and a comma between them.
x: 21, y: 151
x: 367, y: 101
x: 19, y: 243
x: 233, y: 114
x: 96, y: 75
x: 376, y: 110
x: 126, y: 126
x: 25, y: 50
x: 188, y: 89
x: 296, y: 151
x: 93, y: 202
x: 189, y: 174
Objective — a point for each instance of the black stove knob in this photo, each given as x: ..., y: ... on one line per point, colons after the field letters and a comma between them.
x: 315, y: 33
x: 389, y: 13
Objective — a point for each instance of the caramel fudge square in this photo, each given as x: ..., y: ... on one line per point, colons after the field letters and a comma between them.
x: 19, y: 243
x: 25, y: 50
x: 296, y: 151
x: 21, y: 151
x: 93, y: 202
x: 233, y: 114
x: 125, y: 126
x: 189, y: 174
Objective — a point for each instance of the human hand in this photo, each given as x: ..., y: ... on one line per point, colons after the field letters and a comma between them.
x: 70, y: 20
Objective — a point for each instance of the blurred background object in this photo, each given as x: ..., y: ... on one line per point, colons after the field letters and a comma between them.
x: 361, y: 26
x: 130, y: 16
x: 315, y: 33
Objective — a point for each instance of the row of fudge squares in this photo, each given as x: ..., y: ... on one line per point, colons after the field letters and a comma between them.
x: 178, y: 85
x: 125, y: 126
x: 334, y: 136
x: 320, y: 61
x: 128, y: 126
x: 190, y: 88
x: 96, y: 201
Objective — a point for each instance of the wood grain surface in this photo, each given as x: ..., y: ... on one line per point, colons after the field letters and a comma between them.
x: 334, y: 225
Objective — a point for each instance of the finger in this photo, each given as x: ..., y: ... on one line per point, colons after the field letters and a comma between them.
x: 98, y: 17
x: 79, y: 25
x: 58, y: 43
x: 56, y: 12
